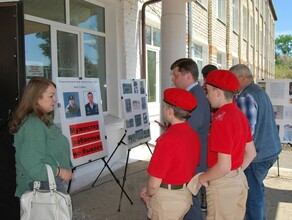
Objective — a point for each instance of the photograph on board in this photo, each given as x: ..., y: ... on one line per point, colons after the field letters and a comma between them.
x: 71, y: 103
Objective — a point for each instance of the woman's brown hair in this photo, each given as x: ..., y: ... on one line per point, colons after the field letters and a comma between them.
x: 29, y: 103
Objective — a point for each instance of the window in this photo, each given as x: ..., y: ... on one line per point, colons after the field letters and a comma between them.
x: 252, y: 30
x: 86, y: 15
x: 221, y: 11
x: 257, y: 3
x: 52, y: 10
x: 234, y: 61
x: 67, y: 47
x: 38, y: 50
x: 261, y: 41
x: 203, y: 2
x: 75, y: 50
x: 219, y: 61
x: 152, y: 36
x: 148, y: 34
x: 198, y: 56
x: 152, y: 69
x: 235, y: 7
x: 244, y: 22
x: 153, y: 66
x: 257, y: 36
x: 156, y: 37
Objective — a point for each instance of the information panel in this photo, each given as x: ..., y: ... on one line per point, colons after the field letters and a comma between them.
x: 280, y: 93
x: 82, y: 121
x: 134, y: 102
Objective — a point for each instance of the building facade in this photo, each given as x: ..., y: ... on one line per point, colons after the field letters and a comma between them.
x: 227, y: 32
x: 103, y: 39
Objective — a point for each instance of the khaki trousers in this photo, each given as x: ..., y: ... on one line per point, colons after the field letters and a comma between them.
x: 226, y: 197
x: 168, y: 204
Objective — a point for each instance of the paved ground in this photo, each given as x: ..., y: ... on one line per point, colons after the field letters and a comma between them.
x: 103, y: 200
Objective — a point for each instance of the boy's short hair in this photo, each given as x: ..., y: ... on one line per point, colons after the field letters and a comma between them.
x: 207, y: 69
x: 186, y: 65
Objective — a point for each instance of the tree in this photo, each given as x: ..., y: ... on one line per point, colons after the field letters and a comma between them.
x: 283, y: 56
x: 284, y: 44
x: 283, y: 67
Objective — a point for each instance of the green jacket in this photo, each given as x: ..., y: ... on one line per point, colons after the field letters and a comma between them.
x: 37, y: 145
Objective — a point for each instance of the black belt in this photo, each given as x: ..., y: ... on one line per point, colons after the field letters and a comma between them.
x: 171, y: 187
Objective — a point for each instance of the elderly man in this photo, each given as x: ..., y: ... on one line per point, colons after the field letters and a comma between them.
x: 256, y: 105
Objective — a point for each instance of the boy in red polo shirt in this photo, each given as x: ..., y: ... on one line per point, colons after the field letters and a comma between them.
x: 174, y: 160
x: 230, y: 150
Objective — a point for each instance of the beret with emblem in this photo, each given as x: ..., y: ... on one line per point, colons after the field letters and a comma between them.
x: 223, y: 79
x: 180, y: 98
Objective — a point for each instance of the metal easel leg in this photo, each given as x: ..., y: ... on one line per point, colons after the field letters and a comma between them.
x: 149, y: 147
x: 124, y: 179
x: 278, y: 166
x: 119, y: 143
x: 118, y: 182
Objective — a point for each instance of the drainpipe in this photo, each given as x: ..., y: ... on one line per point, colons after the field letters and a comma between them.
x: 143, y: 18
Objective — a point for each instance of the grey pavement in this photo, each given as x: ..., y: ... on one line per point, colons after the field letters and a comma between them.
x: 103, y: 200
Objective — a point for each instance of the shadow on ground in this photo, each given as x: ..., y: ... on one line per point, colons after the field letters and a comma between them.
x: 103, y: 200
x: 279, y: 197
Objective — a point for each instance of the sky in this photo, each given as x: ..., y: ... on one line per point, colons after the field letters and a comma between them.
x: 284, y: 15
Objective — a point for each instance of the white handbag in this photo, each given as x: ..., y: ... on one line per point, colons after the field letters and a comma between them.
x: 45, y: 204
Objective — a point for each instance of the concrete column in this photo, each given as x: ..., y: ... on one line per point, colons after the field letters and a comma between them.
x: 173, y: 40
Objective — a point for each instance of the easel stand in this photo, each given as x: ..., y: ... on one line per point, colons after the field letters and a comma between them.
x: 125, y: 174
x: 106, y: 165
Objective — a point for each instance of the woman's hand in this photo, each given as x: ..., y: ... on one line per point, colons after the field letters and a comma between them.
x: 65, y: 174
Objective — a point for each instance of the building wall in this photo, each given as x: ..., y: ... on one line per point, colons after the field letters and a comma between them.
x: 256, y: 51
x: 132, y: 38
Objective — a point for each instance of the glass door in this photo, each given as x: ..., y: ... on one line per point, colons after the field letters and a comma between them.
x: 67, y: 54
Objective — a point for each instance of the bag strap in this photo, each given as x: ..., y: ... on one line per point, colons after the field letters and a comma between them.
x: 52, y: 182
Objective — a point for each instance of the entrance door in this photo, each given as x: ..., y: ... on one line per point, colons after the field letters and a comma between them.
x: 12, y: 81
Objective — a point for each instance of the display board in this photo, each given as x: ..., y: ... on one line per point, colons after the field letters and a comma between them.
x: 135, y: 110
x: 82, y: 122
x: 280, y: 93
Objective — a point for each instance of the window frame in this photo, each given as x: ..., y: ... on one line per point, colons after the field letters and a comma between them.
x: 221, y: 10
x: 66, y: 27
x: 235, y: 7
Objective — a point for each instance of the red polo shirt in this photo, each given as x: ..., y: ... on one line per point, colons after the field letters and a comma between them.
x: 176, y: 155
x: 229, y: 133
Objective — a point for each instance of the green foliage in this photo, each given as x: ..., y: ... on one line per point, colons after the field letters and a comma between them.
x: 284, y: 44
x: 283, y: 67
x: 46, y: 45
x: 283, y: 57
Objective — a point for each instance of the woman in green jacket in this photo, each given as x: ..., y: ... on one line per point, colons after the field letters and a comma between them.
x: 38, y: 141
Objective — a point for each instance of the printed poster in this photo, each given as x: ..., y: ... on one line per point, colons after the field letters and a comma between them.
x: 135, y: 110
x: 280, y: 93
x: 82, y: 122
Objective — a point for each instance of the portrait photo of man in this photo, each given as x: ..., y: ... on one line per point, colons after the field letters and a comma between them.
x: 91, y: 108
x: 72, y: 109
